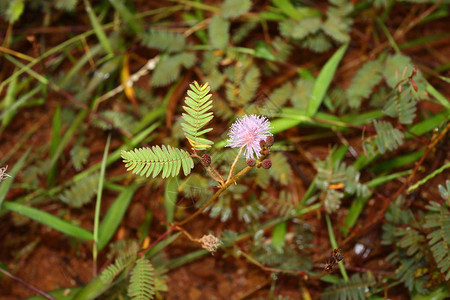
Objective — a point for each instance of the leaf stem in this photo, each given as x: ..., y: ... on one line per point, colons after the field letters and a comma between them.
x: 234, y: 164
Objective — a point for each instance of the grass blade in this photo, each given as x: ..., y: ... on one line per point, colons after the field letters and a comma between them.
x: 99, y: 200
x: 335, y: 245
x: 54, y: 141
x: 49, y: 220
x: 6, y: 184
x: 324, y: 80
x: 66, y: 138
x: 98, y: 29
x: 114, y: 216
x: 128, y: 17
x: 170, y: 197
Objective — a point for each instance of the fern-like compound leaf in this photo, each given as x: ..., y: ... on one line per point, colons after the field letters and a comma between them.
x: 388, y: 137
x: 152, y: 161
x: 235, y: 8
x: 354, y: 289
x: 218, y: 32
x: 403, y: 106
x: 368, y: 76
x: 198, y: 103
x: 439, y: 238
x: 142, y: 281
x: 164, y: 40
x: 81, y: 191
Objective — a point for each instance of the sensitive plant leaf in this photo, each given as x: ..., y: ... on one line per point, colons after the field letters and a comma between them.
x: 164, y: 40
x: 168, y: 68
x: 234, y: 8
x: 121, y: 262
x: 154, y: 160
x: 318, y: 42
x: 445, y: 192
x: 299, y: 29
x: 281, y: 169
x: 354, y: 289
x: 439, y: 239
x: 401, y: 105
x: 81, y: 191
x: 210, y: 62
x: 117, y: 119
x: 142, y: 281
x: 332, y: 200
x: 337, y: 29
x: 368, y: 76
x: 218, y: 32
x: 388, y: 137
x: 79, y: 155
x: 198, y: 103
x: 302, y: 93
x: 394, y: 67
x: 282, y: 49
x: 243, y: 31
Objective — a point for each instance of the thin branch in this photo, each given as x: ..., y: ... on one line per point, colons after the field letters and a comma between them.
x: 28, y: 285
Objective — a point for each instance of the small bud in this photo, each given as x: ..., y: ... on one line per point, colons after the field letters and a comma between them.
x: 251, y: 162
x: 262, y: 143
x: 265, y: 151
x: 400, y: 88
x: 269, y: 141
x: 206, y: 160
x: 414, y: 84
x: 210, y: 242
x: 266, y: 164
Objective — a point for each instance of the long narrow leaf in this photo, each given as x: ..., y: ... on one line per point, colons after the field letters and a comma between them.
x: 49, y: 220
x: 98, y: 28
x: 66, y: 137
x: 99, y: 198
x: 114, y: 216
x: 6, y: 183
x: 324, y: 80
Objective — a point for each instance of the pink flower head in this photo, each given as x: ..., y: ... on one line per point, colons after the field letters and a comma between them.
x: 248, y: 131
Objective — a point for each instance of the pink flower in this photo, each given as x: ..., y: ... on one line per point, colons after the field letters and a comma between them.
x: 248, y: 131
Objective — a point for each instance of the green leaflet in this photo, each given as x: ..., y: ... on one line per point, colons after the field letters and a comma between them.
x: 154, y: 160
x: 387, y: 138
x: 235, y: 8
x: 164, y: 40
x: 368, y: 76
x: 439, y: 239
x: 355, y: 288
x: 218, y: 32
x: 142, y: 281
x: 198, y: 102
